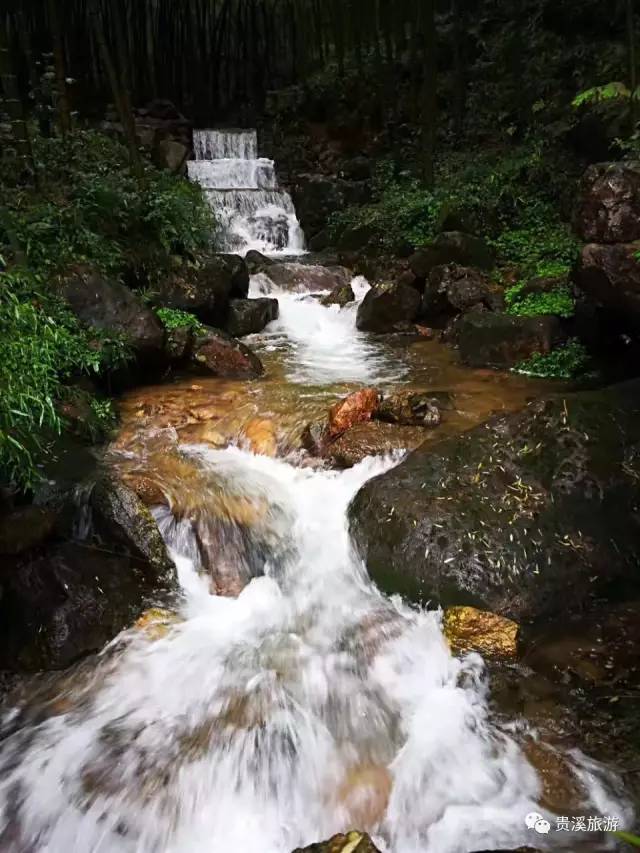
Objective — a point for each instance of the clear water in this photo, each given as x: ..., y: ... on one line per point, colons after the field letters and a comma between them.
x: 253, y: 213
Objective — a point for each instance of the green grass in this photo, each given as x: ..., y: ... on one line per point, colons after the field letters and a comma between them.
x: 564, y: 362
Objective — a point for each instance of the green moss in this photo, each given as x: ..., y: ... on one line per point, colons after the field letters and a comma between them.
x: 565, y: 362
x: 173, y: 318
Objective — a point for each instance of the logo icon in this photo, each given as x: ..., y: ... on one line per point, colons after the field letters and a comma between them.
x: 537, y: 822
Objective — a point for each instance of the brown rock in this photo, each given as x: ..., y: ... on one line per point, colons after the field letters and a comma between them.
x: 354, y: 409
x: 387, y: 308
x: 372, y: 439
x: 147, y: 489
x: 468, y: 629
x: 221, y: 355
x: 340, y: 295
x: 352, y: 842
x: 260, y: 435
x: 409, y: 408
x: 610, y: 275
x: 608, y: 209
x: 365, y: 794
x: 25, y: 528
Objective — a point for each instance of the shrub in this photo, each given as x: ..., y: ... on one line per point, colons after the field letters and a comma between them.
x: 565, y: 362
x: 173, y: 318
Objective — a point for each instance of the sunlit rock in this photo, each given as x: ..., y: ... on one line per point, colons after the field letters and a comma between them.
x: 356, y: 408
x: 467, y: 629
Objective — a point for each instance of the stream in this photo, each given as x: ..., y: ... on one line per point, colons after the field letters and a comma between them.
x: 283, y: 698
x: 308, y: 704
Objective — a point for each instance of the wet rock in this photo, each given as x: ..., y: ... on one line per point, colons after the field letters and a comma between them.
x: 250, y: 316
x: 468, y: 629
x: 314, y: 438
x: 67, y: 603
x: 486, y: 339
x: 316, y: 197
x: 409, y: 408
x: 364, y: 794
x: 510, y: 515
x: 408, y: 277
x: 451, y: 247
x: 372, y: 439
x: 356, y: 237
x: 608, y: 208
x: 25, y: 528
x: 178, y: 343
x: 310, y: 278
x: 353, y: 409
x: 341, y: 295
x: 353, y: 842
x: 205, y: 287
x: 108, y: 305
x: 260, y: 435
x: 387, y: 308
x: 146, y: 488
x: 156, y: 622
x: 452, y: 289
x: 171, y: 155
x: 239, y: 272
x: 256, y: 261
x: 221, y: 355
x: 120, y: 516
x: 610, y: 275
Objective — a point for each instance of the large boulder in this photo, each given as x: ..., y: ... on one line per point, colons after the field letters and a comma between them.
x: 205, y: 287
x: 256, y: 261
x: 388, y: 307
x: 452, y: 289
x: 451, y: 247
x: 66, y: 602
x: 108, y: 305
x: 486, y: 339
x: 371, y: 438
x: 172, y: 155
x: 309, y: 278
x: 513, y: 514
x: 250, y: 316
x: 608, y: 208
x: 120, y: 516
x: 341, y: 295
x: 610, y: 276
x: 217, y: 353
x: 316, y: 197
x: 352, y: 842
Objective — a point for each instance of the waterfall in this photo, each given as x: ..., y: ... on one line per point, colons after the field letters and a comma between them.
x: 253, y: 212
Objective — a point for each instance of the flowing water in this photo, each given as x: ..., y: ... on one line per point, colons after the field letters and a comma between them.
x: 252, y: 212
x: 308, y: 703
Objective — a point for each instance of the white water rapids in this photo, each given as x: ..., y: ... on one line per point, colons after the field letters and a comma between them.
x: 253, y: 213
x: 309, y: 705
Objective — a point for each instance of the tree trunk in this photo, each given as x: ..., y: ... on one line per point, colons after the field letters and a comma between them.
x: 459, y: 65
x: 633, y: 72
x: 429, y: 100
x: 120, y: 97
x: 12, y: 102
x: 63, y: 103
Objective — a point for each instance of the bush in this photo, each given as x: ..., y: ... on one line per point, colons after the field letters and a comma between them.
x: 41, y: 348
x: 174, y: 318
x: 91, y: 209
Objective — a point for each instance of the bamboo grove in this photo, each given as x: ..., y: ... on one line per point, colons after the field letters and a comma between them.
x: 217, y: 59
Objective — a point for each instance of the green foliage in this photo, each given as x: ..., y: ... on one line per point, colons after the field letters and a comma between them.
x: 597, y: 94
x: 173, y: 318
x: 93, y: 210
x: 634, y: 840
x: 565, y: 362
x: 511, y: 199
x: 41, y: 347
x: 558, y: 300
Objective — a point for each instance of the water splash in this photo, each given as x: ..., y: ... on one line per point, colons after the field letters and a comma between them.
x: 243, y: 190
x: 321, y: 343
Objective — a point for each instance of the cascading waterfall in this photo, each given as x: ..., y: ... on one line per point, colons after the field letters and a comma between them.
x: 253, y: 212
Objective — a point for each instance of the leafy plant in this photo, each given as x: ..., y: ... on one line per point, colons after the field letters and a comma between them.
x: 608, y: 92
x: 564, y: 362
x: 173, y: 318
x: 42, y: 347
x: 634, y: 840
x: 558, y: 301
